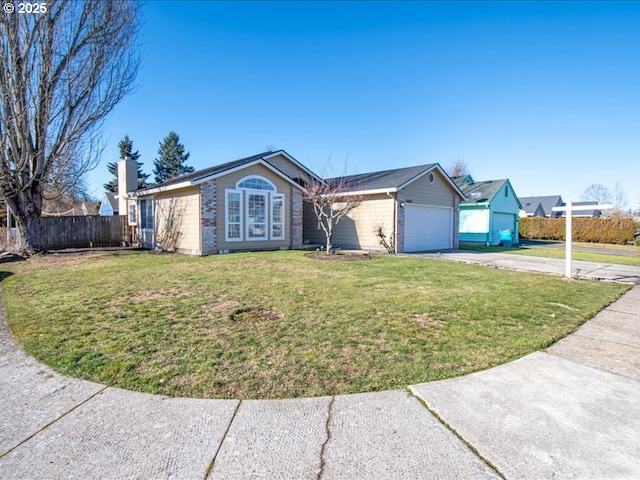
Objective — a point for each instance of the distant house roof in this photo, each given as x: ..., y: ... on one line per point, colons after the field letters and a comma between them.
x: 388, y: 180
x: 595, y: 213
x: 482, y: 192
x: 109, y: 204
x: 199, y: 176
x: 532, y: 205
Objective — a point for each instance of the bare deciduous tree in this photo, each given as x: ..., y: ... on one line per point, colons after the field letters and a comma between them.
x: 61, y: 73
x: 620, y: 200
x: 458, y: 168
x: 598, y: 193
x: 331, y: 202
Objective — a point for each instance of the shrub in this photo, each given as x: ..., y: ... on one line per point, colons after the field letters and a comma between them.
x: 618, y: 230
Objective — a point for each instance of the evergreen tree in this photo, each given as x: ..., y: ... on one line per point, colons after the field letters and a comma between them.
x: 171, y: 160
x: 126, y: 150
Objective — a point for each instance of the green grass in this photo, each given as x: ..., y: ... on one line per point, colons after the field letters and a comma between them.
x: 576, y: 255
x: 183, y: 326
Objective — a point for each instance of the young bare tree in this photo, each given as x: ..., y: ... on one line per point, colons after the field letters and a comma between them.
x: 331, y: 202
x: 62, y: 71
x: 458, y: 168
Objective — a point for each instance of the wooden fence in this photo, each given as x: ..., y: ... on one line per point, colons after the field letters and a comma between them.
x: 84, y: 232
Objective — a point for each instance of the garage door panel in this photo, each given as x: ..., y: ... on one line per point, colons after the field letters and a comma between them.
x: 427, y: 228
x: 502, y: 221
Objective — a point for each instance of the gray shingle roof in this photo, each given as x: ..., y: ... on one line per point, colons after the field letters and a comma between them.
x: 382, y: 179
x: 195, y: 176
x: 481, y: 191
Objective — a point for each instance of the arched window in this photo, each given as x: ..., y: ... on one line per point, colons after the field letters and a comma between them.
x: 253, y: 182
x: 254, y: 211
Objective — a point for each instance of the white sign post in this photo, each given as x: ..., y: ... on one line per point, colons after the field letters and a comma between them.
x: 568, y: 236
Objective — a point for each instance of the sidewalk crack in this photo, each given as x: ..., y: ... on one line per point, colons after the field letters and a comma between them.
x: 328, y: 437
x: 224, y: 436
x: 53, y: 421
x: 455, y: 432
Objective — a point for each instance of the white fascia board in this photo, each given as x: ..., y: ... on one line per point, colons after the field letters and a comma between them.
x: 367, y: 192
x: 174, y: 186
x: 295, y: 162
x: 247, y: 165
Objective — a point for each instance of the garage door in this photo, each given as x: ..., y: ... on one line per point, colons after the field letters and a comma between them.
x: 427, y: 228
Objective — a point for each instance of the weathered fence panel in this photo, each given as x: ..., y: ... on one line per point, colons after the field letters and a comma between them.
x: 84, y: 232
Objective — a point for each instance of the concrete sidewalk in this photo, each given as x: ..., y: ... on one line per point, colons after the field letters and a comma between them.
x: 555, y: 266
x: 570, y: 412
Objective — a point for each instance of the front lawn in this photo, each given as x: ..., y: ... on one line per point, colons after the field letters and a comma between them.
x: 279, y: 324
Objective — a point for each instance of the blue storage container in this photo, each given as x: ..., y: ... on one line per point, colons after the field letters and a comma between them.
x: 506, y: 237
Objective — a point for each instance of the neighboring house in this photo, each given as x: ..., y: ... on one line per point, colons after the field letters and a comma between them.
x: 491, y: 207
x: 540, y: 206
x: 595, y: 213
x: 543, y: 207
x: 254, y: 203
x: 108, y: 205
x: 415, y: 206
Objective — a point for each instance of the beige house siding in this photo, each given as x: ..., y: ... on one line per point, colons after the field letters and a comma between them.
x: 288, y: 168
x: 356, y: 230
x: 439, y: 193
x: 177, y: 220
x: 228, y: 182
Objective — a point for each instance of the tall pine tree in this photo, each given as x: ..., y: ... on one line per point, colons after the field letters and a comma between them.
x: 171, y: 160
x: 126, y: 150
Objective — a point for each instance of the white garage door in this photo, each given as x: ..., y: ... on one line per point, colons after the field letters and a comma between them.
x: 427, y: 228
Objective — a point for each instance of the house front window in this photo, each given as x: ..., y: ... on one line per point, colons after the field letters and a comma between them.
x: 146, y: 214
x: 254, y: 211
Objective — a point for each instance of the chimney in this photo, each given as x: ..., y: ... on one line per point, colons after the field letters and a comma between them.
x: 127, y: 182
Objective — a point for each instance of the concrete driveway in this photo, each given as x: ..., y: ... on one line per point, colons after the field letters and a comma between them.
x: 572, y: 411
x: 580, y: 269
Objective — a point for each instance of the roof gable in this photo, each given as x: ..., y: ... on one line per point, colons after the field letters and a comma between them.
x: 530, y: 204
x: 388, y: 180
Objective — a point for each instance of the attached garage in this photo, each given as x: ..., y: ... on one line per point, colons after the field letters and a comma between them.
x: 412, y: 209
x: 427, y: 228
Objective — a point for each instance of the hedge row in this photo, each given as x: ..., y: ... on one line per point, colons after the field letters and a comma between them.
x: 598, y: 230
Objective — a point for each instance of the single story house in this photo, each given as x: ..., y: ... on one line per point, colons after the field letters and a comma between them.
x: 108, y: 205
x: 417, y: 208
x: 257, y: 203
x: 254, y: 203
x: 489, y: 212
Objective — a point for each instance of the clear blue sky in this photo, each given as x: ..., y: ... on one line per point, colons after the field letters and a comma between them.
x: 546, y: 94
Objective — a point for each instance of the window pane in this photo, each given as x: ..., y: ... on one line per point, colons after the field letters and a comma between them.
x: 234, y: 215
x: 256, y: 184
x: 257, y: 215
x: 277, y: 216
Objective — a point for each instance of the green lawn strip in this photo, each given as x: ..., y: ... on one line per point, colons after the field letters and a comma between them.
x: 548, y: 253
x: 183, y: 326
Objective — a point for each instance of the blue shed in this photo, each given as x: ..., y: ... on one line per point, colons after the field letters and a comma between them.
x: 490, y: 210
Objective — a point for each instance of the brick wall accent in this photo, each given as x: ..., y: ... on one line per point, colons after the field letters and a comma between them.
x: 400, y: 198
x: 208, y: 217
x: 296, y: 218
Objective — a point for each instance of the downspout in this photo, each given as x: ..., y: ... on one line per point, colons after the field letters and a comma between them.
x: 395, y: 223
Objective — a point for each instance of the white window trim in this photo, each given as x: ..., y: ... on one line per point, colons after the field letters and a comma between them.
x: 267, y: 223
x: 226, y: 216
x: 273, y: 196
